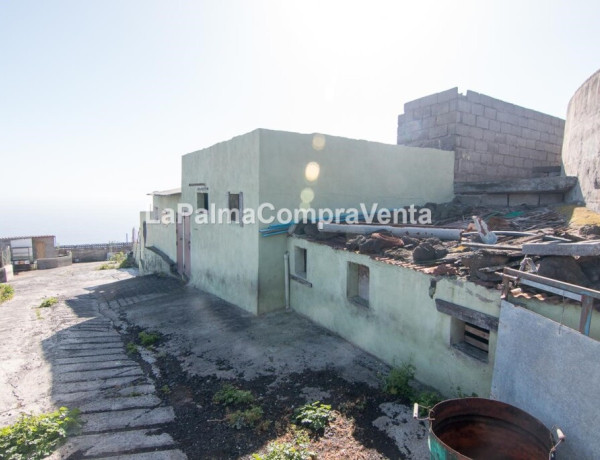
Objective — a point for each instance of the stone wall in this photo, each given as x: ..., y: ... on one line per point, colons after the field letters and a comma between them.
x: 581, y: 148
x: 492, y: 139
x: 96, y: 252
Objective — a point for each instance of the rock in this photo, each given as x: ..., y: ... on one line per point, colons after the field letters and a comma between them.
x: 591, y: 267
x: 481, y: 259
x: 563, y: 268
x: 429, y: 249
x: 354, y: 243
x: 587, y: 230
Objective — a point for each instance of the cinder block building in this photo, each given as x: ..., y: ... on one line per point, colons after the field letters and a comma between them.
x: 492, y: 139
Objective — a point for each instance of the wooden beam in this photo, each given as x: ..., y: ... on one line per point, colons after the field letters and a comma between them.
x: 552, y: 282
x: 556, y: 184
x: 581, y: 248
x: 467, y: 315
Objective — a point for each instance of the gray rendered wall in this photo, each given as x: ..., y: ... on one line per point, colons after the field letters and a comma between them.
x: 581, y: 149
x: 552, y: 372
x: 492, y: 139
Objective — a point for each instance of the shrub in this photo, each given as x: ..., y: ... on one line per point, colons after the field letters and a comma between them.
x: 34, y: 437
x: 315, y: 416
x: 49, y: 302
x: 6, y: 292
x: 131, y: 348
x: 148, y: 339
x: 397, y: 382
x: 426, y: 400
x: 107, y: 266
x: 244, y: 418
x: 285, y: 451
x: 230, y: 396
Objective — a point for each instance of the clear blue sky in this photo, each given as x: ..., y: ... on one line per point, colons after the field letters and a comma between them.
x: 99, y: 99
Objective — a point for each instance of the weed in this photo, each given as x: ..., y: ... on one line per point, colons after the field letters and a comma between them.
x: 359, y: 405
x: 34, y: 437
x: 244, y: 418
x: 38, y: 313
x: 397, y: 382
x: 48, y: 302
x: 165, y: 390
x: 285, y: 451
x: 426, y: 400
x: 229, y: 395
x: 315, y: 416
x: 460, y: 394
x: 131, y: 348
x: 118, y: 258
x: 6, y: 292
x: 148, y: 339
x: 107, y: 266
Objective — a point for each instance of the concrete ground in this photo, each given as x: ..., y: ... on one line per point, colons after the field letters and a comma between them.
x: 73, y: 354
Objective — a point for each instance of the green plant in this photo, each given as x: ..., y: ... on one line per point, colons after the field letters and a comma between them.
x: 107, y: 266
x: 118, y: 257
x: 165, y: 390
x: 426, y: 400
x: 127, y: 262
x: 6, y: 292
x: 131, y: 348
x: 315, y: 416
x: 229, y: 395
x: 285, y: 451
x: 38, y: 313
x: 148, y: 339
x: 48, y: 302
x: 35, y: 437
x: 460, y: 394
x: 397, y: 382
x: 244, y: 418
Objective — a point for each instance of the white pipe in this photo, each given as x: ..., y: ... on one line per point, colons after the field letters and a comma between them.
x: 286, y: 271
x: 420, y: 232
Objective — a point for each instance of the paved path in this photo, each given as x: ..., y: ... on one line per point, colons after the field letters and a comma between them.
x: 72, y: 355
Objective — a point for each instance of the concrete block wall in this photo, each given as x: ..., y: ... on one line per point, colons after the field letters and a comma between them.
x: 492, y: 139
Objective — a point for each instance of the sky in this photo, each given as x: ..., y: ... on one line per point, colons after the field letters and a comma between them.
x: 100, y: 99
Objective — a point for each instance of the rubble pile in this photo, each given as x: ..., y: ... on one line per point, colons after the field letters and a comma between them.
x: 537, y: 240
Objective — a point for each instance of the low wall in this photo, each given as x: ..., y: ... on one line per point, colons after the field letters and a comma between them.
x: 6, y: 273
x: 54, y: 262
x: 401, y: 322
x: 550, y: 371
x: 96, y: 252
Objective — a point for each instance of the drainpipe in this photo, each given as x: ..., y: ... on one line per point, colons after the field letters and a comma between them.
x: 286, y: 271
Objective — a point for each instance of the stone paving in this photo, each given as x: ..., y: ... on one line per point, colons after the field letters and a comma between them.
x: 84, y: 365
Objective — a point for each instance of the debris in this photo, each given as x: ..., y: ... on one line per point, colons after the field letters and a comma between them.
x: 563, y: 269
x: 421, y: 232
x: 584, y: 248
x: 485, y: 235
x: 430, y: 249
x: 587, y: 230
x: 481, y: 259
x: 491, y: 246
x: 443, y: 269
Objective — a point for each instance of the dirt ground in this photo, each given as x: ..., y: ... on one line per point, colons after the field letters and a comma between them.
x: 156, y: 402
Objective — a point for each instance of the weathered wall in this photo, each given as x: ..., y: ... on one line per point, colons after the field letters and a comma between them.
x: 550, y: 371
x: 95, y: 252
x: 55, y: 262
x: 401, y: 323
x: 350, y: 172
x: 492, y: 139
x: 224, y: 257
x: 163, y: 235
x: 6, y: 273
x: 581, y: 148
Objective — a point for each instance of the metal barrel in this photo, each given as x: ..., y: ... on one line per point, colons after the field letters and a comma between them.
x: 483, y: 429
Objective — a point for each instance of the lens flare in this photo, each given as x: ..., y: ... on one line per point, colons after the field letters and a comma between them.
x: 312, y: 171
x: 318, y: 142
x: 307, y: 195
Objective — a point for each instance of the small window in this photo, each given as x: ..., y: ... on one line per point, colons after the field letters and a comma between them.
x: 235, y: 207
x: 471, y: 339
x: 300, y: 262
x: 202, y: 201
x: 358, y: 284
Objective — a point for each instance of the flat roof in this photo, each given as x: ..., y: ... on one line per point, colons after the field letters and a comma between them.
x: 10, y: 238
x: 173, y: 191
